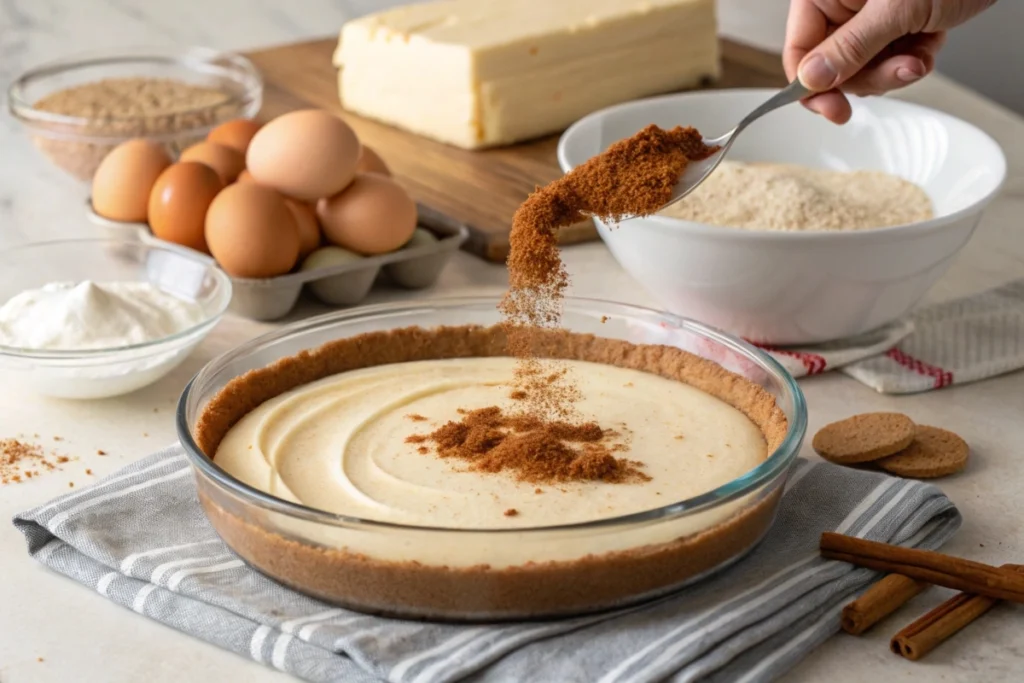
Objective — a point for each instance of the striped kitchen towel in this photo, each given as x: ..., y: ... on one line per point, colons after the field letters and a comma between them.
x: 140, y: 539
x: 941, y: 344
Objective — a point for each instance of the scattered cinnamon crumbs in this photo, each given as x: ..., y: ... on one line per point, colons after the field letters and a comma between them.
x: 415, y: 417
x: 635, y: 176
x: 511, y: 512
x: 20, y: 461
x: 518, y: 395
x: 532, y: 449
x: 88, y: 471
x: 101, y: 452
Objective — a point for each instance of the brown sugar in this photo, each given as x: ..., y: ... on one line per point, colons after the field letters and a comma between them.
x: 532, y: 449
x: 633, y: 177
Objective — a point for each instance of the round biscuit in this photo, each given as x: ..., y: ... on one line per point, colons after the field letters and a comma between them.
x: 934, y: 452
x: 864, y: 437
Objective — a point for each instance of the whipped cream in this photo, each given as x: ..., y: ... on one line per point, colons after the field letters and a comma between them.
x: 68, y: 316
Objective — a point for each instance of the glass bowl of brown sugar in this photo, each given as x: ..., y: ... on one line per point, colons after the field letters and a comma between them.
x: 388, y: 459
x: 78, y: 109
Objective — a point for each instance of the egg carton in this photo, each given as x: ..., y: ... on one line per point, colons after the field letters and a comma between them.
x: 339, y: 285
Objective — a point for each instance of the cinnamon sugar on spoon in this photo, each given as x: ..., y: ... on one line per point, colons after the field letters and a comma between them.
x: 633, y: 177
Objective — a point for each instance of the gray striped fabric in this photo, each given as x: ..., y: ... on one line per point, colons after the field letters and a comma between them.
x: 139, y: 538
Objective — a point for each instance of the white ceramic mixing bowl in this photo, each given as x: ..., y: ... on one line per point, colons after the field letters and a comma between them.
x: 801, y: 287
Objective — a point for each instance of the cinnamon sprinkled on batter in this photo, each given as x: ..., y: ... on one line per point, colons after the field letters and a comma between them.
x: 533, y: 449
x: 416, y: 417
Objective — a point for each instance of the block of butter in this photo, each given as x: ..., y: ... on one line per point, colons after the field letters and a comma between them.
x: 481, y: 73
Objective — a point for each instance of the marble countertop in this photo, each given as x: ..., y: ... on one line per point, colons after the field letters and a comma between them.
x: 82, y: 637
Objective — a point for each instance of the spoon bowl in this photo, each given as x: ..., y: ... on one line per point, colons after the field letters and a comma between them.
x: 696, y: 172
x: 796, y: 286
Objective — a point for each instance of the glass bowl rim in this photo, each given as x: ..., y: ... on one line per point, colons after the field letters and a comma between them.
x: 772, y: 467
x: 156, y: 345
x: 244, y: 71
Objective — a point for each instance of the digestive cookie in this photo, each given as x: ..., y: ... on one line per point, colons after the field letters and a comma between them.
x: 933, y: 453
x: 864, y: 437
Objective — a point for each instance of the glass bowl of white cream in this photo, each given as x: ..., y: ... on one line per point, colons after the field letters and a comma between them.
x: 95, y: 318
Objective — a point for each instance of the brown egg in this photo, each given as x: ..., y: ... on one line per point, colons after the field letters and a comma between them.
x: 305, y: 154
x: 251, y: 232
x: 125, y: 178
x: 227, y: 162
x: 179, y: 201
x: 244, y: 177
x: 236, y: 134
x: 370, y: 162
x: 309, y: 228
x: 373, y: 215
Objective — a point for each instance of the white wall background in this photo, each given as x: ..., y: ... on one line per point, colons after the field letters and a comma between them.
x: 987, y: 54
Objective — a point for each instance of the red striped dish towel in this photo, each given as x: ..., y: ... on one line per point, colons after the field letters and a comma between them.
x: 953, y: 342
x: 947, y: 343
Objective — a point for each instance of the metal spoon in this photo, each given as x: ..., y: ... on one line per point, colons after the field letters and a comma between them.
x: 698, y: 171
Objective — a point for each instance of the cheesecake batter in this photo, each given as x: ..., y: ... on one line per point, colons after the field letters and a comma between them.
x: 339, y: 445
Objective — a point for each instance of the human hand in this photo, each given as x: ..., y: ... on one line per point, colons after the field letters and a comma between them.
x: 866, y: 47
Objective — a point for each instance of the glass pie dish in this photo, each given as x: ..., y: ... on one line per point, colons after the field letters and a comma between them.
x: 487, y: 574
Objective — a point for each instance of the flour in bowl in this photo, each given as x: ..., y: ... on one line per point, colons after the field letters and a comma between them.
x: 784, y: 197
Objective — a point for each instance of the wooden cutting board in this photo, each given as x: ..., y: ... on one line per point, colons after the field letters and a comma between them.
x: 479, y: 189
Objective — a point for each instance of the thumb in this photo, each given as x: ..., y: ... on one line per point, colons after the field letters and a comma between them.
x: 851, y: 46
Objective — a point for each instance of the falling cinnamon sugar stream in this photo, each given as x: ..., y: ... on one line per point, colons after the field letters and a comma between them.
x: 633, y: 177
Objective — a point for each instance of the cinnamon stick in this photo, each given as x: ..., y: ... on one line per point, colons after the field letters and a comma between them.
x: 928, y: 632
x: 878, y: 602
x: 926, y: 565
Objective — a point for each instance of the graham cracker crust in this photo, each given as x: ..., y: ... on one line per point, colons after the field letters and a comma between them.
x: 535, y: 589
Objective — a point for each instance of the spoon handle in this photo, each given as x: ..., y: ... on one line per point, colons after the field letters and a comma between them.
x: 794, y: 92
